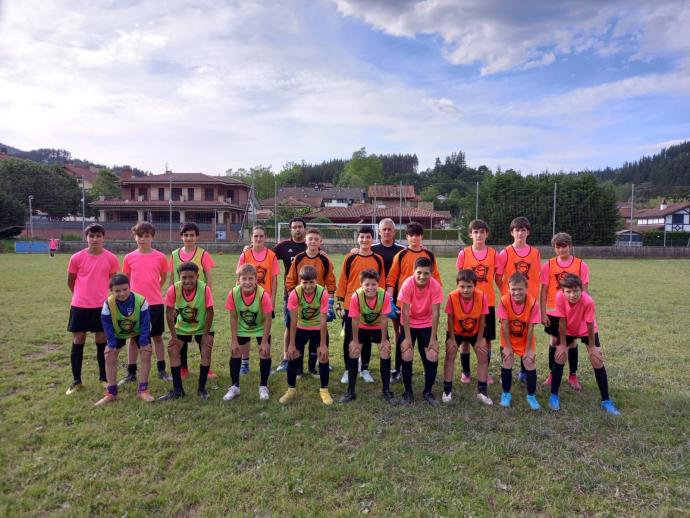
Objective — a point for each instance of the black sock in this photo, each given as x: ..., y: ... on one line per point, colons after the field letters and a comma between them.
x: 235, y: 365
x: 264, y: 370
x: 183, y: 356
x: 311, y: 363
x: 177, y: 378
x: 324, y: 374
x: 76, y: 358
x: 100, y: 358
x: 385, y: 368
x: 292, y: 370
x: 506, y: 379
x: 346, y: 353
x: 352, y: 365
x: 465, y: 363
x: 406, y: 368
x: 132, y: 369
x: 482, y: 388
x: 572, y: 360
x: 531, y: 381
x: 160, y: 364
x: 398, y: 354
x: 203, y: 375
x: 556, y: 377
x: 603, y: 382
x: 447, y: 387
x: 366, y: 355
x: 430, y: 378
x: 552, y: 357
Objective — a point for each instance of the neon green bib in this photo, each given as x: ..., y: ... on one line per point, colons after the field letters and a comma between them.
x: 250, y: 318
x: 196, y: 259
x: 309, y: 313
x: 191, y: 314
x: 126, y: 326
x: 371, y: 316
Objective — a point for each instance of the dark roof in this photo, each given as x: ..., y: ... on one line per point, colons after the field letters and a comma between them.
x: 365, y: 210
x: 322, y: 191
x: 391, y: 191
x: 195, y: 178
x: 291, y: 201
x: 148, y: 204
x: 79, y: 172
x: 658, y: 212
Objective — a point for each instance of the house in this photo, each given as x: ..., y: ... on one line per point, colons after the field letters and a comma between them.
x: 392, y: 195
x: 366, y: 213
x: 671, y: 218
x: 86, y: 174
x: 321, y: 195
x: 218, y: 204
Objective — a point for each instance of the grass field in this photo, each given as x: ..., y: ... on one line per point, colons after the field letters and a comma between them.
x: 60, y: 456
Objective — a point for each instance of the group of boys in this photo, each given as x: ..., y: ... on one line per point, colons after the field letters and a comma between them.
x: 377, y: 283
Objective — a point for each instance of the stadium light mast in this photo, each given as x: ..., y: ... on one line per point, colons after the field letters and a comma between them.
x: 31, y: 217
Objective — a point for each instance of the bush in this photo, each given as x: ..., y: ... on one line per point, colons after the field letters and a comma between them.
x: 656, y: 238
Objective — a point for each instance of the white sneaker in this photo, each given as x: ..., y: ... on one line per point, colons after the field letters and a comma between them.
x: 447, y: 398
x: 345, y: 378
x: 484, y: 399
x: 232, y: 393
x: 263, y: 393
x: 366, y: 376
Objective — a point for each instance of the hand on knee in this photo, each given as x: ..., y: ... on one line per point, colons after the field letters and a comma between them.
x: 561, y: 355
x: 595, y: 357
x: 431, y: 354
x: 407, y: 355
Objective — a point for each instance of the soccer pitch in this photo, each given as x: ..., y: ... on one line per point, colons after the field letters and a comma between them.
x: 62, y: 456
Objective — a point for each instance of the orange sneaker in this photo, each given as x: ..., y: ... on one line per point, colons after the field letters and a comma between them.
x: 146, y: 396
x: 211, y: 374
x: 107, y: 398
x: 184, y: 373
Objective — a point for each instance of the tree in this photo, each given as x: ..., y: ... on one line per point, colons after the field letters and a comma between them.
x: 12, y: 216
x: 362, y: 170
x: 106, y: 184
x: 262, y: 178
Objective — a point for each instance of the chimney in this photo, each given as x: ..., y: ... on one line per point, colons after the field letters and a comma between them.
x: 126, y: 173
x: 663, y: 205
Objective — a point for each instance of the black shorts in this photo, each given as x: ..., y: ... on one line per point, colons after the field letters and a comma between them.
x: 490, y: 328
x: 244, y: 340
x: 122, y: 341
x: 197, y: 338
x: 369, y: 336
x: 84, y: 320
x: 584, y: 339
x: 157, y: 316
x: 552, y: 328
x: 472, y: 340
x: 310, y: 336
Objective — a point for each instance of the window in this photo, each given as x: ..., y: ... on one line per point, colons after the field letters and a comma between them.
x: 144, y: 192
x: 161, y: 193
x: 231, y: 196
x: 132, y: 194
x: 208, y: 194
x: 176, y: 194
x: 190, y: 193
x: 677, y: 219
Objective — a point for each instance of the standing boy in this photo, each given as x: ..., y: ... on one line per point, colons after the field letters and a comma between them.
x: 189, y: 314
x: 421, y: 297
x: 53, y: 245
x: 308, y: 304
x: 251, y: 311
x: 266, y: 264
x: 125, y: 315
x: 518, y: 312
x: 467, y: 310
x: 348, y: 282
x: 147, y: 270
x: 575, y: 311
x: 88, y: 275
x: 551, y: 274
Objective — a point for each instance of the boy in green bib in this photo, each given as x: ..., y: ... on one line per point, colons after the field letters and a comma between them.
x: 189, y: 314
x: 251, y: 309
x: 125, y: 316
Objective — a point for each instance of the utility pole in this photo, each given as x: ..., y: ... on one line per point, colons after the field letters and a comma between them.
x: 632, y: 204
x: 83, y: 207
x: 31, y: 217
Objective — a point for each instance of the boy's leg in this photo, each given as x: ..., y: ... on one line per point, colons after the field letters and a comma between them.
x: 449, y: 366
x: 110, y: 395
x: 406, y: 356
x: 529, y: 362
x: 465, y: 361
x: 508, y: 359
x: 559, y: 358
x: 385, y: 367
x: 236, y: 365
x: 286, y: 337
x: 157, y: 313
x: 132, y: 355
x: 175, y: 368
x: 482, y: 352
x: 596, y: 358
x: 244, y: 368
x: 301, y: 338
x: 77, y: 356
x: 429, y: 358
x: 324, y: 367
x: 399, y: 335
x: 101, y: 342
x: 143, y: 390
x: 353, y: 363
x: 347, y: 338
x: 366, y: 355
x: 264, y: 363
x: 183, y: 357
x: 205, y: 363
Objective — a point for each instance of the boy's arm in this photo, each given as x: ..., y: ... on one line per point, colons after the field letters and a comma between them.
x: 209, y: 281
x: 406, y: 325
x: 505, y: 330
x: 530, y: 335
x: 234, y: 344
x: 71, y: 280
x: 330, y: 279
x: 342, y: 281
x: 543, y: 292
x: 322, y: 351
x: 435, y: 314
x: 206, y: 338
x: 291, y: 278
x: 274, y: 290
x: 590, y: 333
x: 482, y: 326
x: 384, y: 328
x: 562, y: 331
x: 268, y: 320
x: 292, y: 348
x: 107, y: 322
x: 170, y: 319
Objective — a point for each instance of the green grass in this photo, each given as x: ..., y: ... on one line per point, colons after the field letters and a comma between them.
x: 60, y: 456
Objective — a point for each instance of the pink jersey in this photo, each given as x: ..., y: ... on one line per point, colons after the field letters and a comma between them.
x: 420, y: 300
x: 260, y: 257
x: 93, y: 276
x: 535, y: 317
x: 170, y: 297
x: 145, y: 272
x: 354, y: 309
x: 467, y: 305
x: 293, y: 303
x: 577, y: 315
x: 266, y: 305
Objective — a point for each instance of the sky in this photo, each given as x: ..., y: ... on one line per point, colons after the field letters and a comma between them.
x: 207, y: 85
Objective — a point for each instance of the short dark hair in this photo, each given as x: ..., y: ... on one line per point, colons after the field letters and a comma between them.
x: 189, y: 266
x: 366, y: 229
x: 414, y: 229
x: 189, y: 227
x: 478, y: 224
x: 298, y: 220
x: 307, y: 273
x: 517, y: 278
x: 571, y: 281
x: 520, y: 222
x: 466, y: 275
x: 117, y: 279
x: 562, y: 238
x: 94, y: 228
x: 369, y: 273
x: 423, y: 262
x: 143, y: 227
x: 246, y: 269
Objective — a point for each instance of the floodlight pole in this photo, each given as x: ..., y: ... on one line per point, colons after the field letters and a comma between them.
x: 31, y: 218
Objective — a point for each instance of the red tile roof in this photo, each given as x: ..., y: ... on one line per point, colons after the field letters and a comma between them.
x: 79, y: 172
x: 391, y: 191
x: 658, y: 212
x: 194, y: 178
x: 365, y: 210
x: 148, y: 204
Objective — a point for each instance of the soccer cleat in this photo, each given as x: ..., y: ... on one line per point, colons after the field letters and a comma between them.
x: 484, y: 399
x: 232, y: 393
x: 390, y: 397
x: 282, y: 367
x: 146, y: 396
x: 291, y: 392
x: 506, y: 399
x: 184, y: 373
x: 243, y: 370
x: 407, y: 398
x: 465, y: 378
x: 396, y: 376
x: 532, y: 402
x: 447, y: 398
x: 554, y: 402
x: 522, y: 377
x: 610, y: 407
x: 211, y: 375
x: 348, y: 397
x: 263, y: 393
x: 344, y: 380
x: 164, y: 376
x: 366, y: 376
x: 548, y: 380
x: 203, y: 395
x: 173, y: 394
x: 430, y: 398
x: 326, y: 398
x: 76, y: 386
x: 130, y: 378
x: 107, y: 398
x: 574, y: 383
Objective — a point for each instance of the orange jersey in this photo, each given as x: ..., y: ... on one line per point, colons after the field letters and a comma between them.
x: 485, y: 270
x: 403, y: 267
x: 466, y: 324
x: 518, y: 323
x: 528, y: 266
x: 556, y: 273
x: 325, y: 275
x: 353, y: 265
x: 264, y: 269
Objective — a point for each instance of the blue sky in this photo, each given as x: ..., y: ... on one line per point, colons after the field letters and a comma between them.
x: 211, y: 85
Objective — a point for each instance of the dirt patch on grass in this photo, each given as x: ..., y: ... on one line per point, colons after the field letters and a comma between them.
x: 45, y: 350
